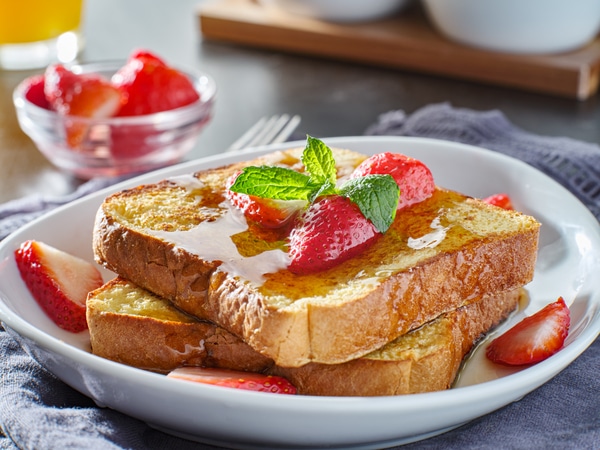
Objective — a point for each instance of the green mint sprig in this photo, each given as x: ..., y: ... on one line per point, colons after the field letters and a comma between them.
x: 375, y: 195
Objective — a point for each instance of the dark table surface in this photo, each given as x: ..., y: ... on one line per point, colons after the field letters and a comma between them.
x: 333, y: 98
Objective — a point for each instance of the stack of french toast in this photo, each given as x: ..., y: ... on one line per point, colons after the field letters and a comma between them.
x: 197, y: 285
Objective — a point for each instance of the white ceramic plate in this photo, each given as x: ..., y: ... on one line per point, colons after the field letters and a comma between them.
x: 568, y: 265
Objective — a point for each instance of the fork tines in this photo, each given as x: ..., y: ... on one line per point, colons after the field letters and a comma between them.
x: 268, y: 130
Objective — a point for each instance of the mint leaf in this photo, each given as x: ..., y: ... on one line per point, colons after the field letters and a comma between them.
x: 274, y: 182
x: 376, y: 196
x: 325, y: 189
x: 318, y: 161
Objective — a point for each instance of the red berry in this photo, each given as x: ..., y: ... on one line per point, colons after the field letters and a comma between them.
x: 34, y: 91
x: 82, y: 95
x: 412, y: 176
x: 150, y: 86
x: 134, y: 141
x: 500, y: 200
x: 147, y: 56
x: 267, y: 212
x: 235, y: 379
x: 535, y: 338
x: 58, y: 281
x: 331, y: 231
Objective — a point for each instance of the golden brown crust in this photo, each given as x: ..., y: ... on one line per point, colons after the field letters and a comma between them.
x: 424, y: 360
x: 160, y: 345
x: 318, y: 324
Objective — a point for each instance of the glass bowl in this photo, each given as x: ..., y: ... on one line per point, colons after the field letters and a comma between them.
x: 116, y: 145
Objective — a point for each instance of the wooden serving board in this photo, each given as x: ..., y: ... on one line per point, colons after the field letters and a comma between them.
x: 406, y: 42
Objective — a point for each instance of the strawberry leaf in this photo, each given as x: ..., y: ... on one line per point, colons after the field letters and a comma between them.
x: 275, y: 183
x: 376, y: 196
x: 319, y: 162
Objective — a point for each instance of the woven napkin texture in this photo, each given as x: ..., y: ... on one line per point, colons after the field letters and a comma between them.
x: 38, y: 411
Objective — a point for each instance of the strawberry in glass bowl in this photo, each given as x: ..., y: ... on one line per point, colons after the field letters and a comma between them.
x: 115, y: 118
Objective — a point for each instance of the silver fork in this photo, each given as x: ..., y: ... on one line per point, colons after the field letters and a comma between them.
x: 268, y: 130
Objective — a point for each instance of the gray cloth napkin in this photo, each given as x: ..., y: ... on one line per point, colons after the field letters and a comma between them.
x: 16, y: 213
x: 38, y: 411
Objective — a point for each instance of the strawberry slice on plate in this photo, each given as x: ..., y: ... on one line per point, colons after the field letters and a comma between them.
x: 412, y: 176
x: 235, y: 379
x: 535, y: 338
x: 58, y: 281
x: 501, y: 200
x: 331, y: 231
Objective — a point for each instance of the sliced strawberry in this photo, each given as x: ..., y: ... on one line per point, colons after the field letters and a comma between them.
x: 150, y: 86
x: 134, y: 141
x: 34, y: 91
x: 235, y: 379
x: 267, y: 212
x: 80, y: 95
x: 500, y: 200
x: 148, y: 57
x: 535, y: 338
x: 58, y: 82
x: 413, y: 177
x: 58, y: 281
x: 84, y: 95
x: 331, y: 231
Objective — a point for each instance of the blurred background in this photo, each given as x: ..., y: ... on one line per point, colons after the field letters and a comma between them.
x: 334, y: 97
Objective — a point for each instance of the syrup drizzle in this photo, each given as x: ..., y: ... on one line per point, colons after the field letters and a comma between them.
x: 429, y: 240
x: 443, y: 221
x: 212, y: 239
x: 476, y: 368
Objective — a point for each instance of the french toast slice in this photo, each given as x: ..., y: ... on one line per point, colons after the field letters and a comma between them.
x: 135, y: 327
x: 181, y: 240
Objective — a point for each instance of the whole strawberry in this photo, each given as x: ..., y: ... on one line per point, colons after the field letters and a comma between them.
x: 331, y: 231
x: 412, y: 176
x: 58, y: 281
x: 149, y: 85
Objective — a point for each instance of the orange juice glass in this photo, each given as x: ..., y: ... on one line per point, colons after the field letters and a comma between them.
x: 34, y: 33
